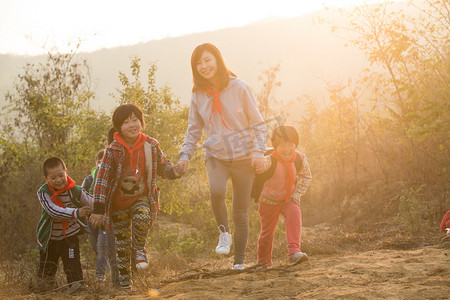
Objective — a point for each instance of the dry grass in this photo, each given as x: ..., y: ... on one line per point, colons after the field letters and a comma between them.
x: 318, y: 241
x: 17, y: 276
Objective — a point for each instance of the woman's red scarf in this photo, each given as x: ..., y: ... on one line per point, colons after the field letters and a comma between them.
x: 138, y: 144
x: 69, y: 185
x: 290, y: 176
x: 216, y: 104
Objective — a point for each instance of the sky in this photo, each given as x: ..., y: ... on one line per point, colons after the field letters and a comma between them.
x: 33, y: 27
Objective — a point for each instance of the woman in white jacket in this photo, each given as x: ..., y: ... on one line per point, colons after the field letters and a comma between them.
x: 224, y: 106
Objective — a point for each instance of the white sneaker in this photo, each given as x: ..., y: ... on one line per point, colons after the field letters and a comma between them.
x: 240, y: 266
x: 297, y: 258
x: 141, y: 259
x: 225, y: 240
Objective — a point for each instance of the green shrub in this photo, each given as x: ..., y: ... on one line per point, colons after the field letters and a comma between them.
x: 165, y: 240
x: 191, y: 246
x: 411, y: 211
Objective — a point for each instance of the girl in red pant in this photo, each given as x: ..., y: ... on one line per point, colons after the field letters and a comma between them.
x: 285, y: 179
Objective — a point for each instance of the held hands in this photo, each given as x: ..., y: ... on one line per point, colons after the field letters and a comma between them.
x: 258, y: 164
x: 181, y: 167
x: 95, y: 219
x: 84, y: 211
x: 177, y: 171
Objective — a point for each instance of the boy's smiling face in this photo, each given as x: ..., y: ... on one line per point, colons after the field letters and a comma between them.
x: 57, y: 177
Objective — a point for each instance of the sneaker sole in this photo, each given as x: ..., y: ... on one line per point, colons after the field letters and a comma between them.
x: 240, y: 268
x: 300, y: 260
x: 141, y: 266
x: 128, y: 289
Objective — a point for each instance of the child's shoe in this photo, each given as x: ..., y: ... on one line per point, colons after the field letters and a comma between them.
x: 76, y: 287
x: 297, y: 258
x: 264, y: 266
x: 100, y: 278
x: 240, y: 267
x: 225, y: 240
x: 141, y: 259
x: 126, y: 288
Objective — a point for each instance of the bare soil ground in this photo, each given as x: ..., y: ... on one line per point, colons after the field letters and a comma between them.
x: 396, y: 269
x: 390, y: 274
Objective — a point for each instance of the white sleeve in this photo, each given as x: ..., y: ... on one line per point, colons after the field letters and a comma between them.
x: 256, y: 122
x: 194, y: 132
x: 54, y: 210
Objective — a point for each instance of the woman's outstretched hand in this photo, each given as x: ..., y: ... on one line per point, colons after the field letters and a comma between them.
x: 181, y: 167
x: 258, y: 164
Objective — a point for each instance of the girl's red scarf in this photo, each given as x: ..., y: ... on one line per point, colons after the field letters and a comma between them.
x: 216, y: 104
x: 290, y: 176
x: 138, y: 144
x: 69, y: 185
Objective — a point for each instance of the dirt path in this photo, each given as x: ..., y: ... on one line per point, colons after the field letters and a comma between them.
x: 379, y: 274
x: 389, y: 274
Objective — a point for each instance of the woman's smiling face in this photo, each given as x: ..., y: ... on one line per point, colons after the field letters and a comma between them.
x: 207, y: 67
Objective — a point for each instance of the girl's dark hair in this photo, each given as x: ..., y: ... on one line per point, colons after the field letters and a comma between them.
x: 286, y: 134
x: 52, y: 162
x: 222, y: 71
x: 110, y: 136
x: 123, y: 112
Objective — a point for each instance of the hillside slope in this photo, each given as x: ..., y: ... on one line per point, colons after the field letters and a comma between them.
x: 307, y: 52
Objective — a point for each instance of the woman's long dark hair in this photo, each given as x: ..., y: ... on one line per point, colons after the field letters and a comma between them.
x: 223, y: 72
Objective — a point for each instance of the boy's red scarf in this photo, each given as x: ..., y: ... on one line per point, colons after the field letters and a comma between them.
x: 290, y: 176
x: 138, y: 144
x: 69, y: 185
x: 216, y: 104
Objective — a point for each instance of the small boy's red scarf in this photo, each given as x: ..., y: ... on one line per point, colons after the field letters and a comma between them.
x: 69, y: 185
x: 138, y: 144
x: 290, y: 176
x: 216, y: 104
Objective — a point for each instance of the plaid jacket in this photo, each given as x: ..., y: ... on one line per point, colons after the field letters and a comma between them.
x: 109, y: 173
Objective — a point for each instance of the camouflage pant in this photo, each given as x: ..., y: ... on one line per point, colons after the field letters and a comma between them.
x: 131, y: 227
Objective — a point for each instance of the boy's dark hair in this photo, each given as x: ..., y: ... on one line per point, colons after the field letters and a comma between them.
x: 52, y: 162
x: 99, y: 155
x: 111, y: 135
x: 222, y: 71
x: 284, y: 134
x: 123, y: 112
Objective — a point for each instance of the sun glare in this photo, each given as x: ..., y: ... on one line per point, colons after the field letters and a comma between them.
x: 27, y: 25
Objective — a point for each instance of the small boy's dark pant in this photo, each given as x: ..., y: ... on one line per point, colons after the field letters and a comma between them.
x: 69, y: 251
